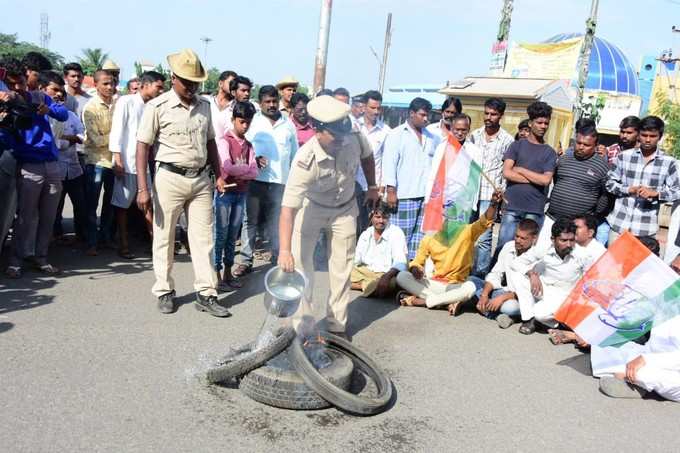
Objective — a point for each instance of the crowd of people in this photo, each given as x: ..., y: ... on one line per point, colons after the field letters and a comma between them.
x: 299, y: 177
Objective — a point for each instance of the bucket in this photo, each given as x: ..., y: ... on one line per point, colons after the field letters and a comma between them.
x: 284, y: 291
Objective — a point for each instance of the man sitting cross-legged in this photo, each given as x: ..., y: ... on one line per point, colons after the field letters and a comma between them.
x: 498, y: 299
x: 450, y: 285
x: 542, y: 282
x: 380, y: 255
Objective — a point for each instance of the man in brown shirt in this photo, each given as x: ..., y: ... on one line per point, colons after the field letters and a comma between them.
x: 319, y: 195
x: 179, y: 123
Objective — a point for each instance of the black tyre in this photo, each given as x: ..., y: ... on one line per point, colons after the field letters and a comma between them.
x: 244, y: 359
x: 341, y: 398
x: 286, y: 389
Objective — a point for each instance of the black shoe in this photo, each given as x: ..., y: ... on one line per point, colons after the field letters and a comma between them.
x: 166, y: 303
x: 209, y: 304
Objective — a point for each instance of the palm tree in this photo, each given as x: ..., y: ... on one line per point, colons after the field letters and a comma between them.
x: 92, y: 60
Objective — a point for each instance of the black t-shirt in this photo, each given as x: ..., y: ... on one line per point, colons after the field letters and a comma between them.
x: 541, y: 158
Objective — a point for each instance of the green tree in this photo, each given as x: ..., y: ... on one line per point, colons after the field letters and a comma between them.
x: 167, y: 73
x: 670, y: 112
x: 138, y: 69
x: 213, y: 79
x: 92, y: 59
x: 10, y: 47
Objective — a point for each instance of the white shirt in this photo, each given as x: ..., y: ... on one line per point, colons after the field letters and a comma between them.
x: 127, y: 114
x: 221, y: 118
x: 277, y: 142
x: 68, y: 155
x: 376, y: 138
x: 554, y: 271
x: 387, y: 253
x: 436, y: 129
x: 470, y: 148
x: 503, y: 266
x: 593, y: 251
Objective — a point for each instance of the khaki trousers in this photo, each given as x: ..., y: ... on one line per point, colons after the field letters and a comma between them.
x: 366, y: 277
x: 434, y: 292
x: 340, y: 227
x: 173, y: 194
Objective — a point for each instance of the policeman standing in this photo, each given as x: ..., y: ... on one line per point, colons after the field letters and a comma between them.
x: 179, y: 123
x: 319, y: 195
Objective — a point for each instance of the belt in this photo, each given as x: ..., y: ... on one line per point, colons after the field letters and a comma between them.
x: 186, y: 172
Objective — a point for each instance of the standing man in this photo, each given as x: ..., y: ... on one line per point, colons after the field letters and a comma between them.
x: 179, y: 123
x: 38, y: 174
x: 528, y: 167
x: 342, y: 95
x: 642, y: 179
x: 407, y: 158
x: 111, y: 68
x: 320, y: 195
x: 494, y: 141
x: 123, y: 146
x: 34, y: 63
x: 358, y: 108
x: 287, y: 88
x: 97, y: 116
x: 133, y: 85
x: 221, y: 103
x: 450, y: 107
x: 300, y: 118
x: 275, y: 143
x: 375, y: 130
x: 76, y: 98
x: 629, y: 130
x: 579, y: 184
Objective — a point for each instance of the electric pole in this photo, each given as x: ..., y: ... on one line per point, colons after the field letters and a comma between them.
x: 584, y: 59
x: 499, y: 51
x: 386, y: 50
x: 44, y: 31
x: 322, y: 47
x: 206, y: 41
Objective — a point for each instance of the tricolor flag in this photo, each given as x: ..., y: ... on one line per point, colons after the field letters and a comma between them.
x: 454, y: 192
x: 622, y: 296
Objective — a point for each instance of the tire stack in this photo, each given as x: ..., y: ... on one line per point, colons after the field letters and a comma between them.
x: 298, y: 384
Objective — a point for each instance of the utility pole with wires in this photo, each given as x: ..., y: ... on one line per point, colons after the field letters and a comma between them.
x: 206, y: 41
x: 669, y: 64
x: 382, y: 63
x: 322, y: 46
x: 584, y: 59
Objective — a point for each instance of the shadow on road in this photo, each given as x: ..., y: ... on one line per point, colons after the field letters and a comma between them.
x: 580, y: 363
x: 5, y: 326
x: 363, y: 312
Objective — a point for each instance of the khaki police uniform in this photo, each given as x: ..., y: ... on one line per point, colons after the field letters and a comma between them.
x: 321, y: 187
x: 181, y: 135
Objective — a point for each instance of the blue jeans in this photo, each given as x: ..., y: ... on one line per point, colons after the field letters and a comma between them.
x: 482, y: 261
x: 229, y: 209
x: 509, y: 307
x: 97, y: 177
x: 509, y: 223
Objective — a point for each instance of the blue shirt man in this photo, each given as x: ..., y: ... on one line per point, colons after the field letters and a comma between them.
x: 407, y: 158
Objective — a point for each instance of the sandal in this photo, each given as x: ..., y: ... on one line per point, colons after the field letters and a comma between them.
x: 13, y: 272
x: 242, y: 270
x: 125, y: 253
x: 405, y: 299
x: 558, y: 337
x: 48, y: 269
x: 527, y: 327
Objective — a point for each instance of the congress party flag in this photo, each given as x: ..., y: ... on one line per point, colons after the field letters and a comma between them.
x: 454, y: 191
x: 622, y: 296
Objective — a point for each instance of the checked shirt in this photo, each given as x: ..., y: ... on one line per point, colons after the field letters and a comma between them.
x: 632, y: 213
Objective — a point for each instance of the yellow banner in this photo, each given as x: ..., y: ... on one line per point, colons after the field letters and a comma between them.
x: 544, y: 61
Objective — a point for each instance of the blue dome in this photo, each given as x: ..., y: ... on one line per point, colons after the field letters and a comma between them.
x: 609, y: 68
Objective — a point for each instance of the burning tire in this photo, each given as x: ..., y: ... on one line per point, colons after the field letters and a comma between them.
x: 340, y: 397
x: 285, y: 388
x: 244, y: 359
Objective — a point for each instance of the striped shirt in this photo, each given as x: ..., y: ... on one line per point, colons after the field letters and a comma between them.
x: 638, y: 215
x: 493, y: 151
x: 579, y: 186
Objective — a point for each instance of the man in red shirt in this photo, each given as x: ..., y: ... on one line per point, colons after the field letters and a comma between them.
x: 300, y: 118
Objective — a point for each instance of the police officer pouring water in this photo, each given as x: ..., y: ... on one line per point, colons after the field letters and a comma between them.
x: 320, y: 195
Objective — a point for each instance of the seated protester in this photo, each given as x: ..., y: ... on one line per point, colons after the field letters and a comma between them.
x: 380, y: 255
x: 498, y: 300
x: 543, y: 281
x: 586, y: 228
x: 632, y: 370
x: 449, y: 284
x: 238, y: 167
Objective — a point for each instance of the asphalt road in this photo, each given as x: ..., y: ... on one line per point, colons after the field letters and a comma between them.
x: 89, y: 364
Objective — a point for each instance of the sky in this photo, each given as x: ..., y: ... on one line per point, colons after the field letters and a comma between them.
x: 432, y: 40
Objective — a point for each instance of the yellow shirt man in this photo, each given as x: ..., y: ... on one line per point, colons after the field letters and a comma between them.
x: 97, y: 116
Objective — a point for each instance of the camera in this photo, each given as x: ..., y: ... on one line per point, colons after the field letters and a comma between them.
x: 17, y: 114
